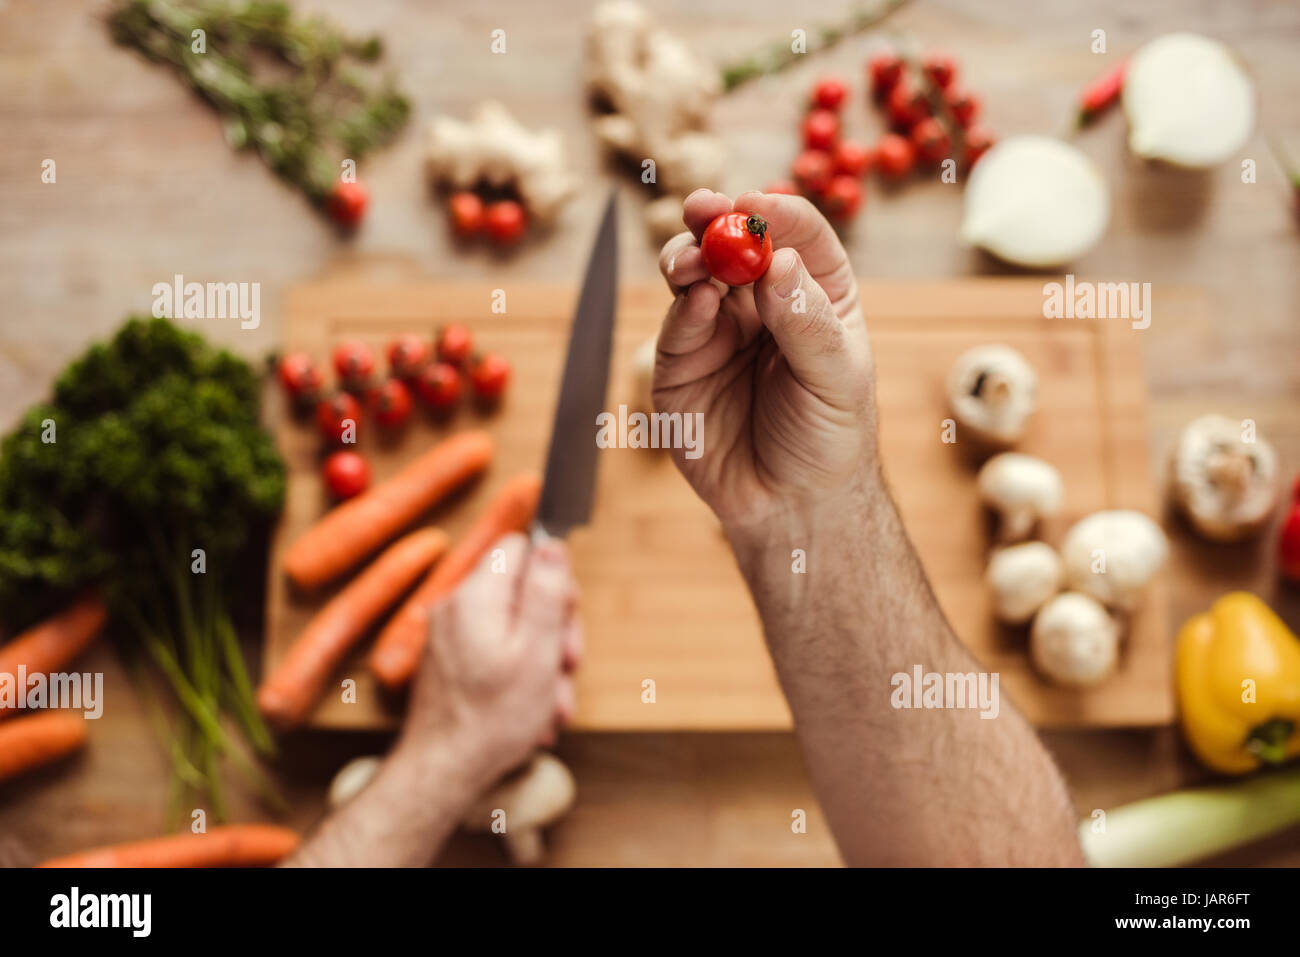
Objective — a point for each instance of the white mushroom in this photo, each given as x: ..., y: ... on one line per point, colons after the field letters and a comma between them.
x: 1022, y: 578
x: 1112, y: 555
x: 1074, y: 641
x: 1226, y: 486
x: 521, y: 805
x: 1021, y: 489
x: 992, y: 391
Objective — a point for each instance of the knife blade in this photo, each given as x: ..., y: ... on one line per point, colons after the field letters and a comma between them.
x: 569, y: 483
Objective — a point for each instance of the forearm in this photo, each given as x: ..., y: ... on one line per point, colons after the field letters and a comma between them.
x: 899, y: 786
x: 403, y: 817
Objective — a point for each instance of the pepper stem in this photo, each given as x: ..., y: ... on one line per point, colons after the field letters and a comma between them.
x: 1268, y: 740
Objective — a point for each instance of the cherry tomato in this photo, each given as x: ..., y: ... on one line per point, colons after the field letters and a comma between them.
x: 843, y: 197
x: 978, y: 142
x: 489, y: 376
x: 895, y: 156
x: 812, y: 171
x: 940, y: 68
x: 1289, y: 544
x: 407, y: 355
x: 931, y: 141
x: 736, y: 248
x: 466, y: 211
x: 829, y: 93
x: 782, y: 186
x: 346, y: 474
x: 354, y: 363
x: 906, y: 105
x: 439, y: 385
x: 300, y: 376
x: 454, y: 344
x: 964, y: 106
x: 821, y: 128
x: 333, y: 416
x: 885, y: 69
x: 348, y: 201
x: 392, y: 403
x: 505, y: 221
x: 851, y: 159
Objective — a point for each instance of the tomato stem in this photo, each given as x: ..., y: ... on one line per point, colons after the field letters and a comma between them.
x: 757, y: 225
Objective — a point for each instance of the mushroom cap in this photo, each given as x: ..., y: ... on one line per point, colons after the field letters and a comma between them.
x: 1227, y: 487
x: 1111, y: 556
x: 1022, y: 489
x: 531, y: 798
x: 1074, y: 640
x: 992, y: 391
x: 1022, y: 578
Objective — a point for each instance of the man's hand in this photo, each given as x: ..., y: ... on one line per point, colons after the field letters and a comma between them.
x: 781, y: 370
x: 493, y: 686
x: 495, y: 680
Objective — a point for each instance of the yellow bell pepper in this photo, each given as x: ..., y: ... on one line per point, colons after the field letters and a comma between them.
x: 1237, y: 670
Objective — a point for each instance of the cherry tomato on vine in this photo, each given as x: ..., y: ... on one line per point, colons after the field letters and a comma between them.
x: 392, y: 403
x: 505, y: 221
x: 931, y: 141
x: 439, y: 386
x: 488, y: 377
x: 335, y: 414
x: 964, y: 106
x: 829, y: 93
x: 940, y: 68
x: 354, y: 363
x: 454, y: 344
x: 812, y: 170
x: 821, y: 128
x: 895, y: 156
x: 466, y: 211
x: 885, y: 70
x: 300, y: 376
x: 407, y: 355
x: 906, y: 105
x: 843, y: 197
x: 348, y: 202
x: 346, y: 474
x: 736, y: 248
x: 851, y: 159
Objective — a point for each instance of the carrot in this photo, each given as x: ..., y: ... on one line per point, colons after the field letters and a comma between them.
x: 287, y: 695
x: 234, y: 845
x: 357, y: 527
x: 37, y: 739
x: 397, y: 652
x: 48, y: 646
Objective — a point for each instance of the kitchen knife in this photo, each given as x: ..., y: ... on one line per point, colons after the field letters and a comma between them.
x: 570, y: 480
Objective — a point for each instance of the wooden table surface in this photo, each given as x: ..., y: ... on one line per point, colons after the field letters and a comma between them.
x: 146, y: 188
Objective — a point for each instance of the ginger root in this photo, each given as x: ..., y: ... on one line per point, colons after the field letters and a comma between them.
x: 494, y: 148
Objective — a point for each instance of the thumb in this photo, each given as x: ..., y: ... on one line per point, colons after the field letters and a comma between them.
x: 546, y: 595
x: 799, y: 314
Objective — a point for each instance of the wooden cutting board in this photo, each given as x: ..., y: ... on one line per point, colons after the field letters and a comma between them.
x: 661, y: 596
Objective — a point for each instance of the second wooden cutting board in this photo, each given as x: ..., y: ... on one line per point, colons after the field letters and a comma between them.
x: 662, y: 599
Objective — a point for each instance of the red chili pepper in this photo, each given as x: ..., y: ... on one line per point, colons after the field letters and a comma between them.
x: 1102, y: 92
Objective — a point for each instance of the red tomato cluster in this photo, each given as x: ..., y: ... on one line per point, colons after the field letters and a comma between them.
x: 433, y: 371
x: 931, y: 118
x: 504, y: 221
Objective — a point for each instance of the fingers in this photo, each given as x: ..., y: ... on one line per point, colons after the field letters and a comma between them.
x: 546, y: 594
x: 701, y: 208
x: 574, y: 644
x: 681, y: 262
x: 795, y: 222
x: 804, y: 324
x: 487, y: 596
